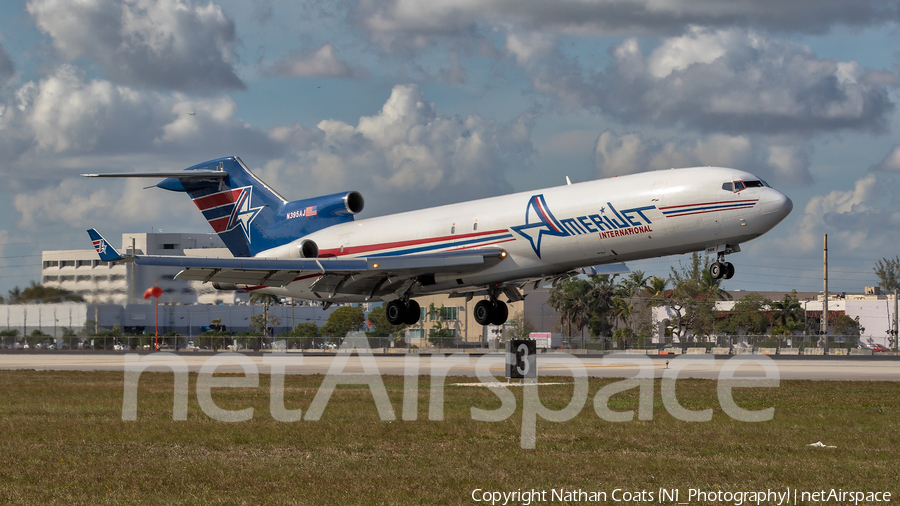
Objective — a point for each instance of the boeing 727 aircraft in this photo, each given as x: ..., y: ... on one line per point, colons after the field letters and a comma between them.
x: 315, y: 248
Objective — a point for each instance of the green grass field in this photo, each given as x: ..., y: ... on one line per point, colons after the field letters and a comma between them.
x: 63, y: 441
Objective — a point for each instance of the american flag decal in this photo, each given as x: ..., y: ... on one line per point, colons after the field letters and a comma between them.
x: 311, y: 211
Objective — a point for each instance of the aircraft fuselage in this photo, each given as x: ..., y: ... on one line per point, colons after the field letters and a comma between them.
x: 554, y: 230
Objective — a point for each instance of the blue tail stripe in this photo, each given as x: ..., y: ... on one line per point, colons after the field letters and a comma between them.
x: 218, y: 212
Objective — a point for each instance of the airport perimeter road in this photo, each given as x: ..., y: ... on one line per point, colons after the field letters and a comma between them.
x: 874, y: 368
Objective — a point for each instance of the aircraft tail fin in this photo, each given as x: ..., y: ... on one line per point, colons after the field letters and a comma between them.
x: 250, y: 216
x: 106, y: 250
x: 247, y: 214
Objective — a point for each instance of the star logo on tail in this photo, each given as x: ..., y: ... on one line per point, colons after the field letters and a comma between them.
x: 243, y: 215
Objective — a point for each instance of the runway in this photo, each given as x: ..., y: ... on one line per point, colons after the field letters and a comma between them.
x: 865, y: 368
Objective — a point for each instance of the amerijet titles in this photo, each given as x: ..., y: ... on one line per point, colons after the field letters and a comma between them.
x: 539, y: 221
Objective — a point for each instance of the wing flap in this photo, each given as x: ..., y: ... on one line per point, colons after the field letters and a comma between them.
x: 239, y: 277
x: 341, y: 275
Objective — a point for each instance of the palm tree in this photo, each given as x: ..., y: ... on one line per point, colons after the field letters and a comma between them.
x: 787, y: 314
x: 570, y: 298
x: 622, y: 310
x: 712, y: 287
x: 263, y: 323
x: 632, y: 287
x: 656, y: 286
x: 787, y: 310
x: 634, y: 283
x: 266, y: 299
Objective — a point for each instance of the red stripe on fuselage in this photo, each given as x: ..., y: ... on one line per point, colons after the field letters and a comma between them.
x: 709, y: 204
x: 352, y: 250
x: 709, y: 211
x: 483, y: 245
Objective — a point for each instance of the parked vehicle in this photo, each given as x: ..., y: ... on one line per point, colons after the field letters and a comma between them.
x: 667, y: 350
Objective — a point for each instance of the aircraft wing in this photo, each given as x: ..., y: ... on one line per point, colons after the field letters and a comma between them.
x: 368, y: 276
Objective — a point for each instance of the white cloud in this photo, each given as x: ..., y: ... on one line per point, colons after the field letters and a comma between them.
x: 407, y: 150
x: 858, y: 221
x: 891, y: 162
x: 413, y: 24
x: 773, y: 159
x: 405, y: 157
x: 321, y: 63
x: 66, y: 113
x: 120, y: 204
x: 700, y: 46
x: 731, y: 81
x: 65, y: 116
x: 159, y: 44
x: 528, y: 46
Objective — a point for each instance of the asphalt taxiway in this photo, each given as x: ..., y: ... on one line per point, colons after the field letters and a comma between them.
x: 839, y: 368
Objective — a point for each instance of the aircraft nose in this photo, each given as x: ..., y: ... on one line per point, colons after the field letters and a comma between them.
x: 775, y: 206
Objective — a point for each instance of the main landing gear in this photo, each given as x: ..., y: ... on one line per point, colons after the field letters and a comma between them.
x: 720, y: 269
x: 491, y: 312
x: 399, y: 312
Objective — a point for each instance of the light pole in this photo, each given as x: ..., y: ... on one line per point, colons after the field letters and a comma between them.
x: 155, y: 292
x: 542, y: 316
x: 805, y: 323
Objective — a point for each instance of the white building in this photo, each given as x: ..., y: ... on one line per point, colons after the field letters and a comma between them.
x: 188, y: 320
x: 99, y: 282
x: 874, y: 310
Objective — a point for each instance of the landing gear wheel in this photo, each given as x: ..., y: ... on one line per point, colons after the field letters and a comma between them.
x: 484, y: 312
x: 717, y: 270
x: 501, y: 313
x: 412, y: 313
x: 729, y: 270
x: 395, y: 311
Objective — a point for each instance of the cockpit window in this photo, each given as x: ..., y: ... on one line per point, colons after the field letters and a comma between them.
x: 754, y: 184
x: 767, y: 185
x: 738, y: 186
x: 727, y: 186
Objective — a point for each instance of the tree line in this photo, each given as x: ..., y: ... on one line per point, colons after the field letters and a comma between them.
x: 39, y: 294
x: 622, y: 307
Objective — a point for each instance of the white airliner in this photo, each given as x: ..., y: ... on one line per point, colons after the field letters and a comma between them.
x: 315, y: 249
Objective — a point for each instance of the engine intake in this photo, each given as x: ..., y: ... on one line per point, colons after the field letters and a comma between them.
x: 341, y: 204
x: 309, y: 249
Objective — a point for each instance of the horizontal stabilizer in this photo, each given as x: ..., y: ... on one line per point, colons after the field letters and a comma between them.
x: 193, y: 174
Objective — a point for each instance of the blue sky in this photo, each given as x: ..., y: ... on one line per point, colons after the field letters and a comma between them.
x: 421, y: 103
